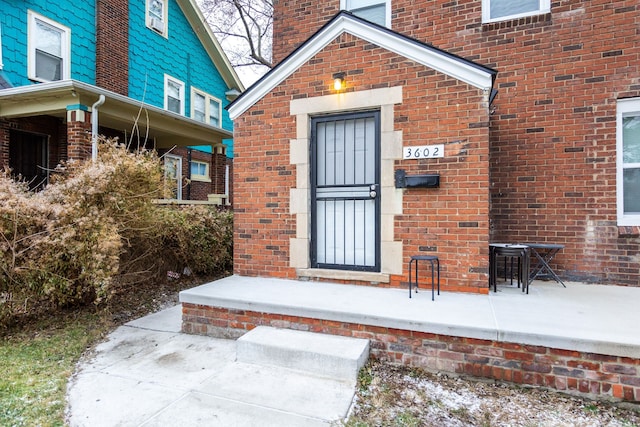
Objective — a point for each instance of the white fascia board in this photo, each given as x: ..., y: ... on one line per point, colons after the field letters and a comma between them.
x: 432, y: 58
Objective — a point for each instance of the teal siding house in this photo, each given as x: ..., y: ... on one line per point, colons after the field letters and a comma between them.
x: 148, y: 72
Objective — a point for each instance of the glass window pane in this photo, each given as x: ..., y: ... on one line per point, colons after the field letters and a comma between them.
x: 375, y: 14
x: 214, y: 112
x: 631, y: 139
x: 48, y: 67
x: 173, y: 89
x: 173, y: 104
x: 156, y: 9
x: 48, y: 39
x: 631, y: 190
x: 198, y: 107
x: 501, y: 8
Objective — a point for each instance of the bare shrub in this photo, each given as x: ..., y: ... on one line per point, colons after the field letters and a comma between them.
x: 96, y: 231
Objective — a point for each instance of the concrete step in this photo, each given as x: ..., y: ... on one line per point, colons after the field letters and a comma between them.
x: 318, y: 354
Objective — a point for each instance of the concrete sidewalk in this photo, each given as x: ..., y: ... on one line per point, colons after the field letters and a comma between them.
x: 149, y: 374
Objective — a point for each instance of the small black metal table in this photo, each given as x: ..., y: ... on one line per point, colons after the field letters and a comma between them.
x: 544, y: 253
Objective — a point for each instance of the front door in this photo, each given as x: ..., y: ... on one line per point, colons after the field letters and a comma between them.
x: 345, y: 192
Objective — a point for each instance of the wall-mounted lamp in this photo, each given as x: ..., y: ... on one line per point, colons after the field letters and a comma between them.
x: 338, y: 81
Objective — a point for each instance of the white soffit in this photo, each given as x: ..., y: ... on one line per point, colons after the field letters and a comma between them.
x: 453, y: 66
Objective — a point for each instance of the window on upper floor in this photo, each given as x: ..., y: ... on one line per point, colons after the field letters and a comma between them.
x: 377, y: 11
x: 49, y: 49
x: 157, y: 16
x: 200, y: 171
x: 500, y: 10
x: 628, y: 161
x: 173, y: 95
x: 205, y: 108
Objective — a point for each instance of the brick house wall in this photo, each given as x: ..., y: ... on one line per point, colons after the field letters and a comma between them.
x: 78, y: 135
x: 46, y: 125
x: 264, y: 176
x: 590, y: 375
x: 112, y: 46
x: 553, y: 123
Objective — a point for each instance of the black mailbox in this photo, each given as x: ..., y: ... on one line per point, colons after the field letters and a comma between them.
x: 416, y: 181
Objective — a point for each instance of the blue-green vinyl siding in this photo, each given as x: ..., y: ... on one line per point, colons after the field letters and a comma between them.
x: 78, y: 16
x: 180, y: 56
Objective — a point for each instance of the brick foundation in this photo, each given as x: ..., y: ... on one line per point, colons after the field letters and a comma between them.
x: 585, y: 374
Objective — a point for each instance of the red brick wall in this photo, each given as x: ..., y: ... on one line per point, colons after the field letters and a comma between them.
x: 553, y: 128
x: 294, y: 21
x: 586, y: 374
x: 112, y: 46
x: 452, y: 221
x: 46, y: 125
x: 79, y: 136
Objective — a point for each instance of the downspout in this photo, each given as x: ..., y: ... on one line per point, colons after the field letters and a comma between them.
x: 94, y: 128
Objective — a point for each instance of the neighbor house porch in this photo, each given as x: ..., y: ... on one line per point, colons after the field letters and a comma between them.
x: 582, y: 339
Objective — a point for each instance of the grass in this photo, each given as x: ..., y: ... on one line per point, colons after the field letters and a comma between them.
x: 37, y: 363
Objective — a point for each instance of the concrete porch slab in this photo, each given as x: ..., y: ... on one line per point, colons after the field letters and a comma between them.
x: 589, y: 318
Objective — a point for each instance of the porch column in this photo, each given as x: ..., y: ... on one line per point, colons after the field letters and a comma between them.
x: 4, y: 143
x: 78, y: 132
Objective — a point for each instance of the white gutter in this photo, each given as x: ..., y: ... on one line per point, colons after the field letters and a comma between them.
x: 94, y: 127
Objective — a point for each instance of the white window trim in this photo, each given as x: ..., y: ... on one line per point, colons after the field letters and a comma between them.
x: 168, y: 78
x: 66, y: 46
x: 165, y: 21
x: 624, y: 108
x: 198, y: 177
x: 207, y: 102
x: 387, y: 11
x: 545, y: 7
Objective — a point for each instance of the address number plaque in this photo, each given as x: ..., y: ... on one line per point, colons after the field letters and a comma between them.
x: 423, y: 152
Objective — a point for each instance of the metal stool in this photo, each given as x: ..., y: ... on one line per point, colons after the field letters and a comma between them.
x: 432, y: 260
x: 521, y: 252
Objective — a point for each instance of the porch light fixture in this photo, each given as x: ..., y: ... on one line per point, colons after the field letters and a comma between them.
x: 338, y: 81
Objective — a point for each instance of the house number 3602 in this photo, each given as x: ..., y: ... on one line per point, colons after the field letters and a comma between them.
x: 423, y: 152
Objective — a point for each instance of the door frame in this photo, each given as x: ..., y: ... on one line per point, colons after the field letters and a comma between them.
x: 17, y: 140
x: 375, y: 114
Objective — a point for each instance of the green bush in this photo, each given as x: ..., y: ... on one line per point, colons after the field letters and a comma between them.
x: 95, y: 231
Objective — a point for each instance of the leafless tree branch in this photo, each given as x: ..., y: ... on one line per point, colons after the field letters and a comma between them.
x: 244, y: 28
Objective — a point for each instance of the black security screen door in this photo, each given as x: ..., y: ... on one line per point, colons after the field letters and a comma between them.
x: 345, y: 192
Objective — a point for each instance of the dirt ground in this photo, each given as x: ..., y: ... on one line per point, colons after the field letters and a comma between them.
x: 399, y: 396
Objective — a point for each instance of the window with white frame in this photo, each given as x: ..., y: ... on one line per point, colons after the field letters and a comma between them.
x: 157, y: 15
x: 628, y: 161
x: 377, y: 11
x: 200, y: 171
x: 49, y: 49
x: 173, y: 95
x: 500, y: 10
x: 205, y: 108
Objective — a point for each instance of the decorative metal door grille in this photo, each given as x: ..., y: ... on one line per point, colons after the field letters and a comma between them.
x: 345, y: 192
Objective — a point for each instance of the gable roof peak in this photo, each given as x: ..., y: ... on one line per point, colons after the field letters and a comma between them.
x: 345, y: 22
